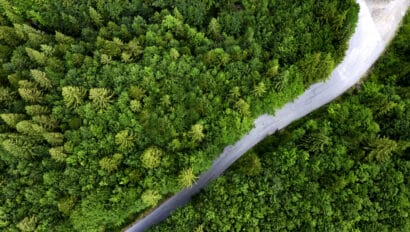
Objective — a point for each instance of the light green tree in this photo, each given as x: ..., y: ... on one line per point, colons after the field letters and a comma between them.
x: 36, y: 110
x: 41, y: 78
x: 28, y: 224
x: 100, y: 97
x: 54, y: 138
x: 12, y: 119
x: 197, y: 133
x: 111, y: 164
x: 125, y: 140
x: 151, y: 157
x: 36, y: 56
x: 150, y: 197
x: 73, y: 96
x: 187, y: 178
x: 242, y: 107
x: 57, y: 153
x: 31, y: 95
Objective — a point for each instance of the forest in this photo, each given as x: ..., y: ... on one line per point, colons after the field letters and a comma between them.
x: 108, y: 107
x: 346, y: 167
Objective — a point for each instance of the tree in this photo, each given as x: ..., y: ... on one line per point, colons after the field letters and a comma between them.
x: 187, y: 178
x: 125, y: 140
x: 151, y: 157
x: 111, y: 164
x: 54, y: 138
x: 36, y: 56
x: 73, y: 96
x: 28, y: 224
x: 100, y: 97
x: 196, y: 133
x: 150, y: 197
x: 33, y: 110
x: 12, y: 119
x: 242, y: 107
x: 41, y: 78
x: 31, y: 95
x: 57, y: 153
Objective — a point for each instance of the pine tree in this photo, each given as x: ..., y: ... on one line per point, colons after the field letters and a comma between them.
x: 41, y: 78
x: 151, y: 157
x: 196, y: 133
x: 96, y: 17
x: 17, y: 147
x: 29, y: 128
x: 125, y: 140
x: 65, y: 205
x: 242, y: 107
x: 259, y: 90
x: 12, y: 119
x: 111, y: 164
x: 31, y: 95
x: 187, y: 178
x: 36, y: 56
x: 36, y: 110
x: 135, y: 106
x: 73, y: 96
x: 28, y: 224
x: 100, y: 97
x: 54, y: 138
x: 150, y: 197
x: 45, y: 121
x: 6, y: 96
x: 57, y: 153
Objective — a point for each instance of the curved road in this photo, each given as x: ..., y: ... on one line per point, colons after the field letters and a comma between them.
x: 378, y: 21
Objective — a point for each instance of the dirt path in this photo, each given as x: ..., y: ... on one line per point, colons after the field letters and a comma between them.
x: 378, y: 21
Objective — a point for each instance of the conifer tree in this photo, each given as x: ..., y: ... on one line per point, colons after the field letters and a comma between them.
x: 31, y: 95
x: 150, y: 197
x: 36, y: 56
x: 196, y: 133
x: 111, y: 164
x: 151, y: 157
x: 12, y: 119
x: 125, y: 140
x: 54, y: 138
x: 57, y: 153
x: 41, y: 78
x: 100, y: 97
x: 36, y: 110
x: 73, y: 96
x: 187, y: 178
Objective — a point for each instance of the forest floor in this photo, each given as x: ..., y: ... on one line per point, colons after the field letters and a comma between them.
x: 378, y: 22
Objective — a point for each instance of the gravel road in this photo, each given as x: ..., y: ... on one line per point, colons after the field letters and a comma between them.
x: 378, y: 21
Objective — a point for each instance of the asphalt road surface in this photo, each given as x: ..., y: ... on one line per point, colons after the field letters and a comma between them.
x: 378, y: 21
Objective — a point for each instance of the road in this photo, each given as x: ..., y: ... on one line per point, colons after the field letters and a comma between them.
x: 378, y: 21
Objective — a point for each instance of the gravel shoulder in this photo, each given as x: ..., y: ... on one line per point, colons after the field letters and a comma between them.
x: 378, y: 22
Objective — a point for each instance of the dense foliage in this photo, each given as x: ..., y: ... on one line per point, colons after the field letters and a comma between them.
x: 109, y: 106
x: 344, y: 168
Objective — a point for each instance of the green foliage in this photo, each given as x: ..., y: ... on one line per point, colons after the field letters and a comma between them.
x: 28, y: 224
x: 162, y: 85
x: 110, y: 164
x: 57, y: 153
x: 150, y: 197
x: 12, y: 119
x: 73, y: 96
x: 342, y: 168
x: 41, y: 78
x: 151, y: 157
x: 100, y: 97
x: 187, y: 178
x: 125, y: 140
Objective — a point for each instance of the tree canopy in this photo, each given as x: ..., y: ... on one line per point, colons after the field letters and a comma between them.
x: 109, y: 106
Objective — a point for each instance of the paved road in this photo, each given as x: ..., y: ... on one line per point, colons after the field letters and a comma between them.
x: 368, y: 42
